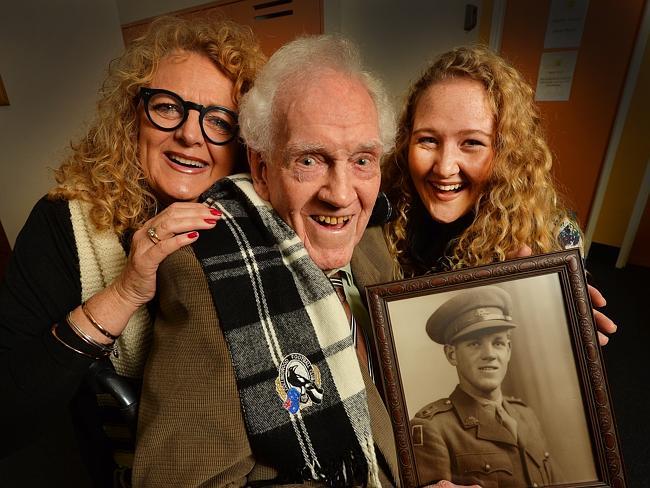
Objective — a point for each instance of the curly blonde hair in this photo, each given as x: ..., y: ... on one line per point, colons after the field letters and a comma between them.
x: 103, y: 168
x: 519, y: 204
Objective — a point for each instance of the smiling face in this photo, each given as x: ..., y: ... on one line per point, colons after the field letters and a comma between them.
x: 180, y: 165
x: 323, y: 176
x: 451, y: 147
x: 481, y: 363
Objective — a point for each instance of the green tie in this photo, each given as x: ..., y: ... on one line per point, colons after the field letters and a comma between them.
x: 358, y: 337
x: 507, y: 420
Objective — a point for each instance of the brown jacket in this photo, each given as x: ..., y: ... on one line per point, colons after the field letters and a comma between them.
x: 454, y: 439
x: 191, y: 431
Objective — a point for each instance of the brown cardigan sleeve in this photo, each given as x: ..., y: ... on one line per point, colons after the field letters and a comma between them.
x: 190, y: 429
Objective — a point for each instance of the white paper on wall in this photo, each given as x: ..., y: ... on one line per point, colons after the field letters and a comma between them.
x: 566, y: 22
x: 555, y: 76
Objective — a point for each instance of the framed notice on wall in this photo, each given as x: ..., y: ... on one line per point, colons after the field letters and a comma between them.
x: 4, y: 99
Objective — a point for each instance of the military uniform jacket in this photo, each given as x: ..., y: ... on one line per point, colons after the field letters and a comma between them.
x: 190, y: 430
x: 456, y: 439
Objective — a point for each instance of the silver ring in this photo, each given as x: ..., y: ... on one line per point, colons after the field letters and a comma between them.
x: 151, y: 232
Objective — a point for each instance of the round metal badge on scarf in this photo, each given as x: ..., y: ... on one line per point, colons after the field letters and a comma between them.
x: 298, y: 383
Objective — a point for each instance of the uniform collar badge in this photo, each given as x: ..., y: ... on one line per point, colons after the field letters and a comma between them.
x: 471, y: 420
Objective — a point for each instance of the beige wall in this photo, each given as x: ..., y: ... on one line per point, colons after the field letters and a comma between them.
x: 53, y: 57
x: 399, y: 39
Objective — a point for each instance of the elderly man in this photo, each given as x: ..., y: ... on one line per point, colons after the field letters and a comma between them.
x: 477, y: 435
x: 254, y: 377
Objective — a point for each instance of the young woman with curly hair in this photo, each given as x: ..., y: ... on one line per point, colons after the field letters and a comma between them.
x: 470, y: 155
x: 470, y: 176
x: 84, y: 265
x: 470, y: 182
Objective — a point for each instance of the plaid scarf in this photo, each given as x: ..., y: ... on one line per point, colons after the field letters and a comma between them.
x: 302, y: 395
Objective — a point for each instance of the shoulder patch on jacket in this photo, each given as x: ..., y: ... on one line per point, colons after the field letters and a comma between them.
x: 427, y: 412
x: 519, y: 401
x: 417, y: 436
x: 569, y: 235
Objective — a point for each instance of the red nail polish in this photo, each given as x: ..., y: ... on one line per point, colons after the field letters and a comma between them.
x: 214, y: 211
x: 211, y: 221
x: 192, y: 235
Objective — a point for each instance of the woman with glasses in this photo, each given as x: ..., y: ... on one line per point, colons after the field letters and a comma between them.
x: 84, y: 265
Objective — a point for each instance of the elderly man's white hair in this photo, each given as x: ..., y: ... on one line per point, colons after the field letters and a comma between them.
x: 303, y: 59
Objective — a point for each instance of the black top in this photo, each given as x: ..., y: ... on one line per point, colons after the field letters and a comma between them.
x: 431, y: 243
x: 48, y: 415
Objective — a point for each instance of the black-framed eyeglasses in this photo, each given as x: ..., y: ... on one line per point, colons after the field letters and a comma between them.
x: 167, y: 111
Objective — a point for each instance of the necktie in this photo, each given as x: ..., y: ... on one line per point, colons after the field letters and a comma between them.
x: 507, y: 420
x: 358, y: 337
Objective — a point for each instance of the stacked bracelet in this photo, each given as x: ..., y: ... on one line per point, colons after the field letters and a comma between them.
x: 105, y: 349
x: 78, y: 351
x: 96, y: 324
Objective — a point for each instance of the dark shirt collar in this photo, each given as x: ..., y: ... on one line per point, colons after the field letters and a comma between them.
x: 431, y: 242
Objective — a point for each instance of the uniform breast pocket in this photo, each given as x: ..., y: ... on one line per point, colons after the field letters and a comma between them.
x: 483, y: 468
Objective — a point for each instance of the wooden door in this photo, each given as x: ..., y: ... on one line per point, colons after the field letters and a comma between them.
x: 273, y: 22
x: 578, y: 129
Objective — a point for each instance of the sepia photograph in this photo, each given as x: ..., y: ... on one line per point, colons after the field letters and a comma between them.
x: 486, y: 380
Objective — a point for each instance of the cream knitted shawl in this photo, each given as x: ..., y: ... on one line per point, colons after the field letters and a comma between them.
x: 101, y: 260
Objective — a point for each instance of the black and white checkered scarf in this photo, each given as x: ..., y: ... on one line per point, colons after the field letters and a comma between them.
x: 274, y: 304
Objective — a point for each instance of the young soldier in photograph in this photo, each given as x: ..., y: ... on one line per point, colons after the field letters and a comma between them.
x: 478, y: 435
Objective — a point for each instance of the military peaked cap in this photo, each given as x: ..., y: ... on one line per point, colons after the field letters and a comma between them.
x: 481, y: 309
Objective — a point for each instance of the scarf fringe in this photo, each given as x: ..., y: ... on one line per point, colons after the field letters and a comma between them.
x: 348, y: 471
x: 368, y: 448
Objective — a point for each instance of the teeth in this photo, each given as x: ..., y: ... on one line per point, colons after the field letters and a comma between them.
x: 448, y: 187
x: 188, y: 162
x: 331, y: 220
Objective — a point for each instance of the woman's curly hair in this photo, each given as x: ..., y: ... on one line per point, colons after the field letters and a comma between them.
x: 103, y: 168
x: 519, y: 204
